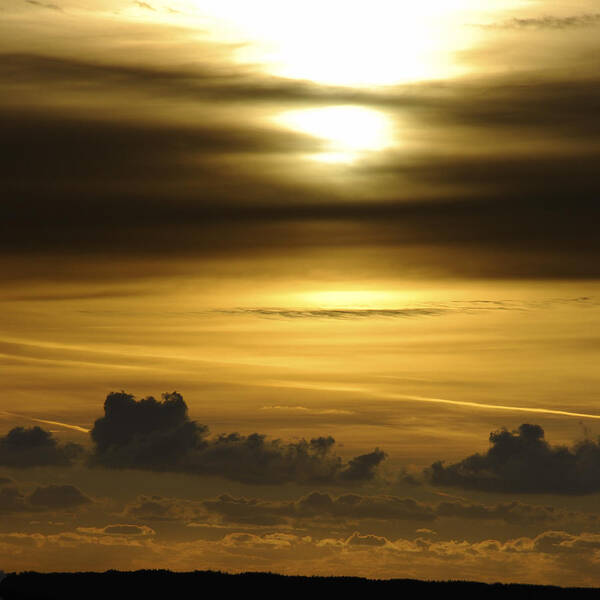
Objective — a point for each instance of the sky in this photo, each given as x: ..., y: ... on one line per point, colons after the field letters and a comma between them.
x: 307, y: 287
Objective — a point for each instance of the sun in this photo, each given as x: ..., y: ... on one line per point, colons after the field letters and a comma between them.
x: 348, y: 132
x: 351, y: 298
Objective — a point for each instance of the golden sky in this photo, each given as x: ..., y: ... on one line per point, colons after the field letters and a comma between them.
x: 359, y: 239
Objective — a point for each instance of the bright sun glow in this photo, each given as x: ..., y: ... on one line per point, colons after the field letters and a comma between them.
x: 348, y: 131
x: 345, y: 42
x: 350, y: 299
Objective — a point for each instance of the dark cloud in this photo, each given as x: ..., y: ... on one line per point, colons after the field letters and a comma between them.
x: 58, y: 497
x: 145, y: 434
x: 159, y: 436
x: 523, y: 461
x: 35, y: 447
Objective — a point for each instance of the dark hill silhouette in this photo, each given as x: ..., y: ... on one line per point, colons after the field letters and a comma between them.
x: 151, y: 584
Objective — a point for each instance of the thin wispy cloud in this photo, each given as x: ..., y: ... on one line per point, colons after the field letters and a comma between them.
x: 337, y: 313
x: 144, y: 5
x: 548, y: 22
x: 47, y: 422
x: 308, y: 411
x: 44, y: 5
x: 425, y: 310
x: 377, y: 393
x: 481, y: 405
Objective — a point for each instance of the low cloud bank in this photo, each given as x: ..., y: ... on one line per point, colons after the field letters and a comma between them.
x: 159, y: 436
x: 355, y: 507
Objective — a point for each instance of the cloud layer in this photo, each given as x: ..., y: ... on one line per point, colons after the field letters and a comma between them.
x: 204, y: 188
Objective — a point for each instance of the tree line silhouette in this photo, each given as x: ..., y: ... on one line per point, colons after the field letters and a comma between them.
x: 163, y: 584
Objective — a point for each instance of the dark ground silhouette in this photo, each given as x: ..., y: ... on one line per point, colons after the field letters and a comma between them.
x: 145, y: 585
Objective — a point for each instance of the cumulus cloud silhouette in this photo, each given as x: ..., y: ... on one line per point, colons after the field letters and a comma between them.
x: 159, y: 436
x: 118, y: 530
x: 33, y: 446
x: 523, y: 461
x: 49, y: 497
x: 145, y: 434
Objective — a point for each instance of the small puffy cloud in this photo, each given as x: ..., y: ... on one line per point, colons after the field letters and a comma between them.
x: 43, y: 498
x: 159, y: 436
x: 159, y: 508
x: 365, y: 540
x: 523, y: 461
x: 128, y: 530
x: 118, y: 530
x: 58, y: 497
x: 12, y: 500
x: 25, y: 447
